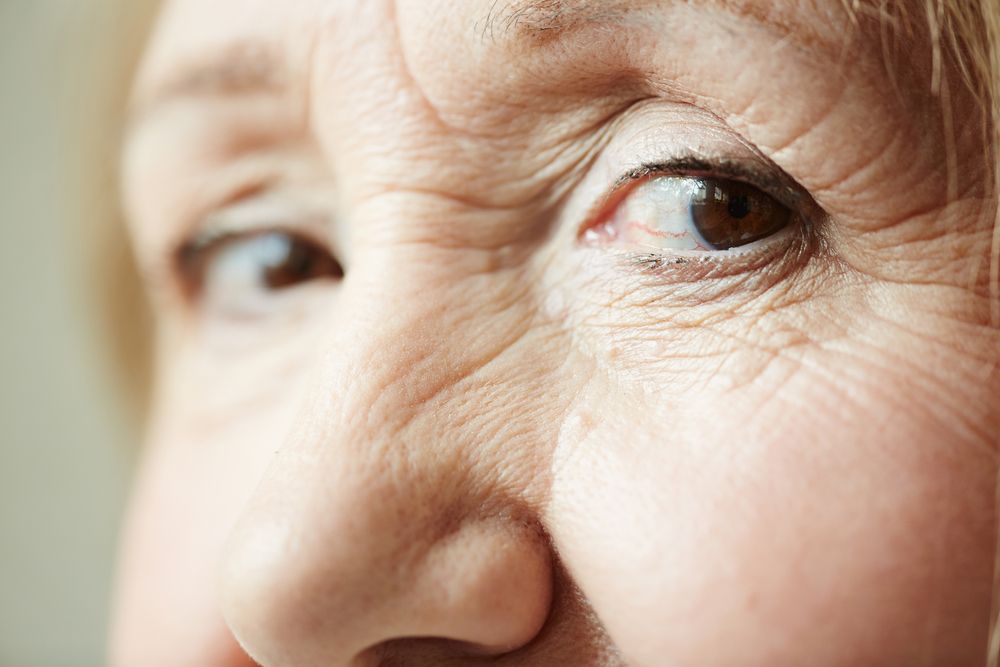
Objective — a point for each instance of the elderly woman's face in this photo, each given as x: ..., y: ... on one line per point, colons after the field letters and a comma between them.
x: 638, y: 333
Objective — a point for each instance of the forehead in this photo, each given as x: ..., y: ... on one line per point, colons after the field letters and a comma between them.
x: 191, y: 32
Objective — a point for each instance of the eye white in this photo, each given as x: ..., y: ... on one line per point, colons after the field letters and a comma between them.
x: 658, y: 213
x: 235, y: 279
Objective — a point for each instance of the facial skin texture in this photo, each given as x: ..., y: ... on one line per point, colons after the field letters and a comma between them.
x: 496, y: 442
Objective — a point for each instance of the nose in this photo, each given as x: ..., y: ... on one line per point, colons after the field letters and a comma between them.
x: 383, y: 526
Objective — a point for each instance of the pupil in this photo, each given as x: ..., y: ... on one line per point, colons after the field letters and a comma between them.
x: 739, y: 207
x: 299, y: 262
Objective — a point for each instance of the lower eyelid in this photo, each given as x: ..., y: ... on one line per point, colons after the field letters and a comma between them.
x: 775, y: 256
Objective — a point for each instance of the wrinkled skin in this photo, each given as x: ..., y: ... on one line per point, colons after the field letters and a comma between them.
x: 496, y: 441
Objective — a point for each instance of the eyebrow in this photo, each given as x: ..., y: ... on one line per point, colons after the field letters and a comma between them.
x: 543, y: 20
x: 240, y: 69
x: 251, y: 68
x: 546, y: 16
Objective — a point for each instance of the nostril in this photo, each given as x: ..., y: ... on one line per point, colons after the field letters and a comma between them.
x: 482, y: 593
x: 425, y: 651
x: 486, y: 593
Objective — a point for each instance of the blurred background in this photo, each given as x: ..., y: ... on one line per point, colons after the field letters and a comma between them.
x: 72, y: 358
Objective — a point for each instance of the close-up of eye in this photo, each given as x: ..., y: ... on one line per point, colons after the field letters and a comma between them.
x: 521, y: 333
x: 240, y: 271
x: 684, y: 213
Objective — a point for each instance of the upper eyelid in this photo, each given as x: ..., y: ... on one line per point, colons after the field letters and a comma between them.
x: 225, y: 190
x: 769, y: 179
x: 277, y: 211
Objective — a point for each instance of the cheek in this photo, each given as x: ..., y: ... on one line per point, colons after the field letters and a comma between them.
x: 166, y: 611
x: 775, y: 535
x: 198, y: 470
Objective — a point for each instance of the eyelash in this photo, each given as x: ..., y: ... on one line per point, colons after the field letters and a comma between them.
x: 788, y: 249
x: 772, y: 182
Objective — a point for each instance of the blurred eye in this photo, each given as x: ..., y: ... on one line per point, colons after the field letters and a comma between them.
x: 240, y: 272
x: 693, y: 214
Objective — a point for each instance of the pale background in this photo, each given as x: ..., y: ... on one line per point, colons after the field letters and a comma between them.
x: 66, y: 435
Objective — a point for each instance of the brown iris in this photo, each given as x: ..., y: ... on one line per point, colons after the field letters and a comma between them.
x: 729, y: 214
x: 300, y: 261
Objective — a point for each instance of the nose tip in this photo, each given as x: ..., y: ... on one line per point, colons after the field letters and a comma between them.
x: 488, y: 587
x: 361, y: 579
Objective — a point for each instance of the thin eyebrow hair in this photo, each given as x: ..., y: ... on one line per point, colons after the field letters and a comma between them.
x: 240, y: 69
x: 541, y: 16
x: 542, y: 20
x: 547, y: 16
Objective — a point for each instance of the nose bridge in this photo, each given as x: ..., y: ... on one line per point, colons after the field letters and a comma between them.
x: 377, y: 519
